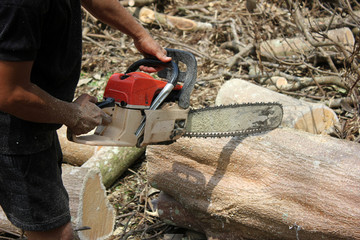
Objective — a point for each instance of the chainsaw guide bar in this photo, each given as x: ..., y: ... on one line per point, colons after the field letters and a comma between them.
x: 233, y: 120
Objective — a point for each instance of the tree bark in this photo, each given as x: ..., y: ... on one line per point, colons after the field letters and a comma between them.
x: 113, y: 162
x: 282, y: 184
x: 88, y: 204
x: 298, y: 114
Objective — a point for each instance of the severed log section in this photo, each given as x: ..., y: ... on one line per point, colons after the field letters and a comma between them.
x: 284, y: 184
x: 336, y: 21
x: 89, y: 205
x: 295, y: 46
x: 315, y: 118
x: 6, y: 226
x: 147, y: 15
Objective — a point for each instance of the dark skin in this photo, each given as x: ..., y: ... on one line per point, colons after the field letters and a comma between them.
x: 25, y: 100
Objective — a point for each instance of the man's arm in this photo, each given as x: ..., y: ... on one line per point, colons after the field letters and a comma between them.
x: 114, y: 14
x: 25, y: 100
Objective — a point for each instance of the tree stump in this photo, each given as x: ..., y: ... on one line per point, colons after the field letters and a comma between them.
x: 310, y: 117
x: 276, y: 185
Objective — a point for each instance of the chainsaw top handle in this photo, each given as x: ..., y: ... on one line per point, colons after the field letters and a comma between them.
x: 149, y: 62
x: 172, y: 73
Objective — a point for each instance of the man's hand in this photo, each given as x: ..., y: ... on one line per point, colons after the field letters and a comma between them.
x: 149, y: 47
x: 113, y: 13
x: 88, y: 115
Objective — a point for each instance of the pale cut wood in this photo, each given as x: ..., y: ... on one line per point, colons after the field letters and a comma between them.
x: 6, y: 226
x: 113, y: 162
x: 268, y: 186
x: 310, y: 117
x: 295, y: 46
x: 89, y: 205
x: 147, y: 15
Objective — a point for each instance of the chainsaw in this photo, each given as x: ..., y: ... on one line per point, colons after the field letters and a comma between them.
x: 147, y: 111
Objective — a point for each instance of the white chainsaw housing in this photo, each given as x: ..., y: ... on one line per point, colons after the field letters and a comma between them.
x: 162, y: 125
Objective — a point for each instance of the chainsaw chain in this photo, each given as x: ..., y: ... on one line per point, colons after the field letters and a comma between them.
x: 228, y: 134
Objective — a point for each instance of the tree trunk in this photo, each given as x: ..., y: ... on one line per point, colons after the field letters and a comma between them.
x: 298, y: 114
x: 88, y: 204
x: 277, y: 185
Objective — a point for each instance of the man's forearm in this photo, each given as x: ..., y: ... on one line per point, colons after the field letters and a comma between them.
x: 114, y: 14
x: 33, y: 104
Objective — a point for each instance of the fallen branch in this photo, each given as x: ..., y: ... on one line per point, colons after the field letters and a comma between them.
x: 147, y: 15
x: 136, y: 3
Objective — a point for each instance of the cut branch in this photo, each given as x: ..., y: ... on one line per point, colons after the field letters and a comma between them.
x: 149, y: 16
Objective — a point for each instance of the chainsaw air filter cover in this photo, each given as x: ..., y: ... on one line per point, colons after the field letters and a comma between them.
x: 135, y: 89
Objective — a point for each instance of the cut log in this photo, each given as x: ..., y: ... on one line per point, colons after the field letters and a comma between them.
x: 6, y: 226
x: 89, y: 205
x: 337, y: 21
x: 113, y: 162
x: 147, y: 15
x: 295, y: 46
x: 280, y: 185
x: 310, y: 117
x: 136, y: 3
x: 74, y: 153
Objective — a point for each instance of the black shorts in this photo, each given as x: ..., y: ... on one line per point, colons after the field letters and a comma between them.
x: 31, y: 190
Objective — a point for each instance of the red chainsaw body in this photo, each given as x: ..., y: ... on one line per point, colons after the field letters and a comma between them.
x: 135, y: 89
